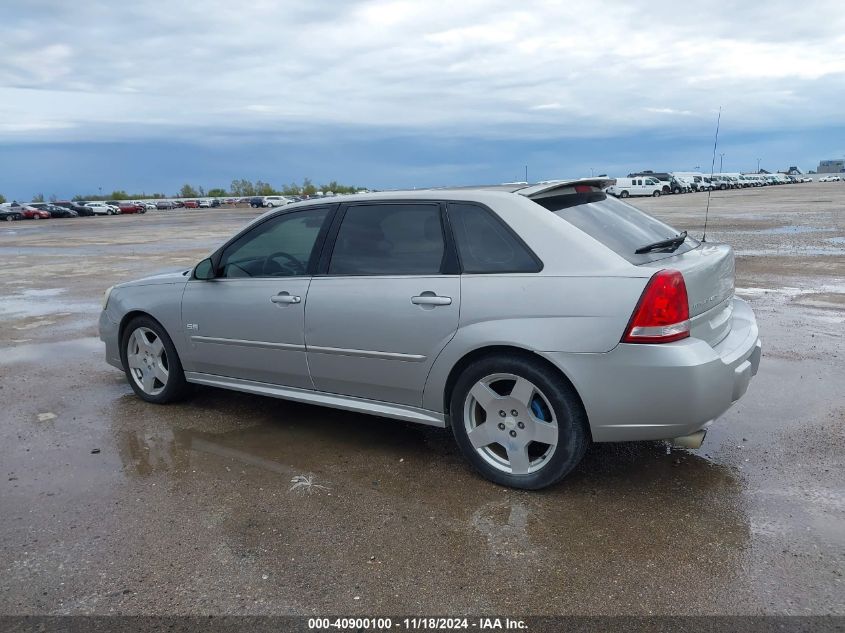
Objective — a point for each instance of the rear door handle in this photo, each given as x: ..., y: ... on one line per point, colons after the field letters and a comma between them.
x: 431, y: 299
x: 285, y: 298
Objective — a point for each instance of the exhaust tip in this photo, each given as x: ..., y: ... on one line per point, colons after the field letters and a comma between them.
x: 693, y: 440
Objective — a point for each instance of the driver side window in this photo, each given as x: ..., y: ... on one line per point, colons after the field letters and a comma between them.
x: 280, y: 247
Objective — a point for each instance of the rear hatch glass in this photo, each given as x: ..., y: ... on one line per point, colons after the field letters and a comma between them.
x: 617, y: 225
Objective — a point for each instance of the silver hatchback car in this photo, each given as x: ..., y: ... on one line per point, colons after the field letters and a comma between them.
x: 532, y: 319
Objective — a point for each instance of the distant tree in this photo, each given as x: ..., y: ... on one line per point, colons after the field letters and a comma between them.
x: 308, y: 187
x: 201, y: 191
x: 264, y: 189
x: 2, y: 199
x: 38, y: 197
x: 242, y: 188
x: 187, y: 191
x: 292, y: 189
x: 53, y: 197
x: 217, y: 192
x: 119, y: 194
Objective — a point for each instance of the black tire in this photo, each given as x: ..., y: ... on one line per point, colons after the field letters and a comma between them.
x: 656, y: 194
x: 624, y: 194
x: 573, y: 434
x: 177, y: 388
x: 676, y: 190
x: 9, y: 218
x: 723, y: 187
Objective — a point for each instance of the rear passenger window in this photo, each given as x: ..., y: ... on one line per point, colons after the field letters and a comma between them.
x: 389, y: 239
x: 485, y: 245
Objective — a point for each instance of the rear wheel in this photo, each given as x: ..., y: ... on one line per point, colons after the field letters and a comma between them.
x: 656, y: 194
x: 151, y: 363
x: 518, y: 423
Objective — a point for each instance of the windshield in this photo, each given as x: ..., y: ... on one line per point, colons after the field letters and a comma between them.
x: 616, y: 224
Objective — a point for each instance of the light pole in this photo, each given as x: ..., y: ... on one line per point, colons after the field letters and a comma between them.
x: 758, y: 165
x: 721, y: 161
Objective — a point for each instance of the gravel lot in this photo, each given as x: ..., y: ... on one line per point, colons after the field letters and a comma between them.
x: 109, y: 505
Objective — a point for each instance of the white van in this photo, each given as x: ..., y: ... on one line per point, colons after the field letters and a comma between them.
x: 640, y: 186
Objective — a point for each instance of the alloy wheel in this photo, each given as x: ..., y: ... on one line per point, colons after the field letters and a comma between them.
x: 510, y: 423
x: 147, y: 361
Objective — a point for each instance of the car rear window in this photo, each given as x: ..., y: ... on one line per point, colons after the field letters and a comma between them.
x: 616, y: 224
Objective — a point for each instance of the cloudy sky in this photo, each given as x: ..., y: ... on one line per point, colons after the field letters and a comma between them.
x: 148, y: 95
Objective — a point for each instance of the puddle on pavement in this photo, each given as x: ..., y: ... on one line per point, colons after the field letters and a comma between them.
x: 372, y: 481
x: 43, y: 302
x: 50, y: 352
x: 789, y: 251
x: 791, y: 230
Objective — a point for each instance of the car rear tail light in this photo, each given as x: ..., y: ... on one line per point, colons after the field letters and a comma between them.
x: 662, y: 314
x: 583, y: 188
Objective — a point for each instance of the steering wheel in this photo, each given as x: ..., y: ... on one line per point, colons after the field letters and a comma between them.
x: 292, y: 264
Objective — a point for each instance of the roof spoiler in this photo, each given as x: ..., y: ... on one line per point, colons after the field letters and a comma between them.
x: 556, y: 187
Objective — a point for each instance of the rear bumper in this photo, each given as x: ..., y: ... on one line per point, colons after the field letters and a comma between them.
x: 653, y: 392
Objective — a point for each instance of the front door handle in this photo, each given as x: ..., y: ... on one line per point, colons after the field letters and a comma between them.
x: 431, y: 299
x: 285, y: 298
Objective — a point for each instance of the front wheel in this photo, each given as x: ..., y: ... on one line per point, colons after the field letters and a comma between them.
x: 517, y: 422
x: 624, y: 194
x: 151, y: 363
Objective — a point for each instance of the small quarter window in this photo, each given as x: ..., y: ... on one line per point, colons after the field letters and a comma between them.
x: 485, y: 245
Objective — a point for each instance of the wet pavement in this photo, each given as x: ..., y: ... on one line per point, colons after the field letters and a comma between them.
x: 230, y: 503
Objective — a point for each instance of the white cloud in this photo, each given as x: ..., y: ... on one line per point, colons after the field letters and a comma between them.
x: 496, y: 68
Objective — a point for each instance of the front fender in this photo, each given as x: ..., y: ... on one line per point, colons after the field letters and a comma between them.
x: 162, y: 301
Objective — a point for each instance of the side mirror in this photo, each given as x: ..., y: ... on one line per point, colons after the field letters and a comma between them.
x: 204, y: 270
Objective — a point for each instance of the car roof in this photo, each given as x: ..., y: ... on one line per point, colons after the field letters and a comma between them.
x: 479, y: 193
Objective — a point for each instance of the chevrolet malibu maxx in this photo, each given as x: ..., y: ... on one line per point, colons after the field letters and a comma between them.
x: 531, y: 319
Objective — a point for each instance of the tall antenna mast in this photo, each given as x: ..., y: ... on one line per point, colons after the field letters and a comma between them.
x: 712, y: 167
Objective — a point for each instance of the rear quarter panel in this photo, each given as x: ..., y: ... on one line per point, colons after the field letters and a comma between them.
x: 538, y: 313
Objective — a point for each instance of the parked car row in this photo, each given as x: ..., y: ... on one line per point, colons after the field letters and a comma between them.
x: 650, y: 183
x: 42, y: 210
x: 70, y: 209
